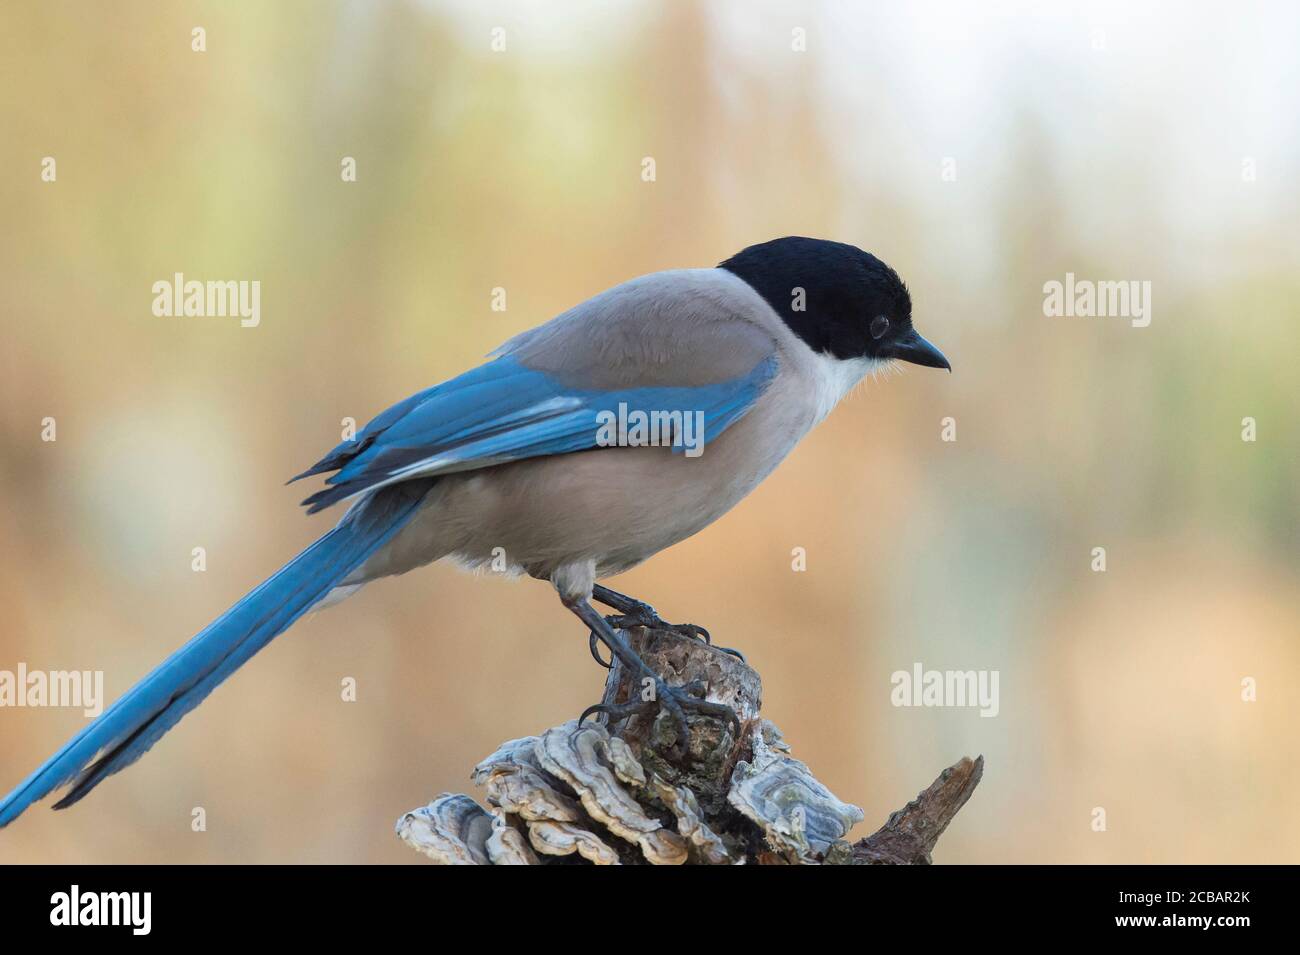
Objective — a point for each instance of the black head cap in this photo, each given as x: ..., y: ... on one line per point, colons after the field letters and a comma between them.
x: 840, y: 300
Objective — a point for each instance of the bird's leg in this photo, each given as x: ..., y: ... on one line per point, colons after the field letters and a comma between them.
x: 676, y: 700
x: 638, y: 613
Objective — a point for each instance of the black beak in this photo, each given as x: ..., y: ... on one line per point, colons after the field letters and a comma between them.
x: 912, y: 347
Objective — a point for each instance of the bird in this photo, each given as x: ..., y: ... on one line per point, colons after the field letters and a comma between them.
x: 540, y: 456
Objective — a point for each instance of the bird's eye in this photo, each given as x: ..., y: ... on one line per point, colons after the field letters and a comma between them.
x: 879, y: 325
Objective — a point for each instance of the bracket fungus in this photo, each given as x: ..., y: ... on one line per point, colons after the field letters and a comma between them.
x: 627, y: 794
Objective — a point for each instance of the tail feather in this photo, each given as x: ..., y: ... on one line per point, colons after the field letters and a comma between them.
x: 126, y: 730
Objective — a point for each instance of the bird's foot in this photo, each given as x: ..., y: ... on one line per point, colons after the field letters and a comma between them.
x: 652, y: 621
x: 654, y: 692
x: 676, y: 702
x: 637, y: 613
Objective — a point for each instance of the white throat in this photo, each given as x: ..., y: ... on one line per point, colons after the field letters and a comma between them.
x: 836, y: 377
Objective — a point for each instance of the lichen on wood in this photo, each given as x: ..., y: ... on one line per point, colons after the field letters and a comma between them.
x: 627, y: 793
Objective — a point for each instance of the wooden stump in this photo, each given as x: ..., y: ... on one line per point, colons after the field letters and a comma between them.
x: 627, y: 793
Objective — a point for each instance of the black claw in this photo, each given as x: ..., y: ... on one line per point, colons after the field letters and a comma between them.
x: 614, y: 711
x: 691, y: 630
x: 695, y: 689
x: 595, y: 652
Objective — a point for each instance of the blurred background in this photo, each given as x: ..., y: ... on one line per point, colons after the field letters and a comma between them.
x: 982, y: 150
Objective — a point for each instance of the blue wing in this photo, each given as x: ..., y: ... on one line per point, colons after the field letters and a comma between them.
x: 504, y: 411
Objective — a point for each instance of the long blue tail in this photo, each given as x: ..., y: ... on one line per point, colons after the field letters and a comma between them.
x: 126, y: 730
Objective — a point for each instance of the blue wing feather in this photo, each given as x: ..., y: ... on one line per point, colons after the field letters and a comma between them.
x: 503, y: 411
x: 126, y: 730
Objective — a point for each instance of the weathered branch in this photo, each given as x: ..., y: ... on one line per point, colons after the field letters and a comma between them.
x: 626, y: 794
x: 908, y: 837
